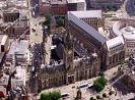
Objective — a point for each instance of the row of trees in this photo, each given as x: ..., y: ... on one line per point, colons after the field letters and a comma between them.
x: 59, y: 20
x: 55, y: 95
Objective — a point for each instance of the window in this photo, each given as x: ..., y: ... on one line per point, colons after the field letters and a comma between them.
x: 2, y: 48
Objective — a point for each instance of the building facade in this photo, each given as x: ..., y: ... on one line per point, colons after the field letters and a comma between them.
x: 44, y: 7
x: 76, y: 5
x: 105, y: 4
x: 111, y: 53
x: 56, y: 7
x: 10, y: 15
x: 129, y: 71
x: 88, y: 36
x: 115, y: 50
x: 85, y: 51
x: 70, y: 69
x: 125, y: 28
x: 20, y: 22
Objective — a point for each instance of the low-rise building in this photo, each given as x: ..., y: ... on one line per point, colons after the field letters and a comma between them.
x: 115, y: 49
x: 18, y: 55
x: 76, y: 5
x: 13, y: 23
x: 20, y: 4
x: 10, y: 15
x: 105, y: 4
x: 56, y: 7
x: 44, y: 7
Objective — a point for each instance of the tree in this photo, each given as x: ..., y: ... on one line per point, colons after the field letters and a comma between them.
x: 45, y: 96
x: 60, y: 21
x: 100, y: 83
x: 55, y: 95
x: 47, y: 19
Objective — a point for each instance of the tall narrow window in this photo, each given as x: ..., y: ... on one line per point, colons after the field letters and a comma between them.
x: 2, y: 48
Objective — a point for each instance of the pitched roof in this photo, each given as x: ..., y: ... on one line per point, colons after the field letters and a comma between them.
x: 87, y: 14
x: 115, y: 42
x: 95, y: 36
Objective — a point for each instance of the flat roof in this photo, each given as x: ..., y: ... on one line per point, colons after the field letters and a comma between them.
x: 17, y: 3
x: 58, y: 1
x: 19, y: 47
x: 87, y: 14
x: 75, y: 1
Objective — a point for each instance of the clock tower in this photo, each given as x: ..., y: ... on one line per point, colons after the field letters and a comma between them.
x: 68, y: 51
x: 69, y: 57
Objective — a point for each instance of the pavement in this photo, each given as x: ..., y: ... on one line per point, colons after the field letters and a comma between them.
x: 36, y: 38
x: 86, y: 94
x: 72, y: 91
x: 37, y: 35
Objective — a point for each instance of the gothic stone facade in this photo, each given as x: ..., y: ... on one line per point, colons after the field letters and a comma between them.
x: 71, y: 69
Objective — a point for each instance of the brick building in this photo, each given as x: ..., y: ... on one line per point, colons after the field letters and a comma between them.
x: 10, y: 15
x: 76, y: 5
x: 56, y: 7
x: 13, y: 23
x: 105, y: 4
x: 84, y: 31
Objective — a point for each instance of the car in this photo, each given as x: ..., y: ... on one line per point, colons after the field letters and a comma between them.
x: 33, y: 69
x: 65, y: 95
x: 73, y: 87
x: 82, y: 86
x: 33, y: 13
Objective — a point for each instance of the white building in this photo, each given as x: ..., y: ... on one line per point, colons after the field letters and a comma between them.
x: 18, y: 54
x: 76, y: 5
x: 20, y: 78
x: 125, y: 28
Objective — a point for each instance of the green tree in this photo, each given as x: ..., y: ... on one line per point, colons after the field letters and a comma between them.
x: 45, y: 96
x: 60, y: 21
x: 47, y: 19
x: 55, y: 95
x: 100, y: 83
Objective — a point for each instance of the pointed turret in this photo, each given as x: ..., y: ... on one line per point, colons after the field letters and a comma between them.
x: 68, y: 42
x: 53, y: 25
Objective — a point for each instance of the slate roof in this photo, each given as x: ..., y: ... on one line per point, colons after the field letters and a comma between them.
x: 88, y: 14
x: 95, y: 36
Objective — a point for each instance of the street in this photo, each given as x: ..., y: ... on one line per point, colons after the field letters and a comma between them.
x: 36, y: 38
x: 36, y: 62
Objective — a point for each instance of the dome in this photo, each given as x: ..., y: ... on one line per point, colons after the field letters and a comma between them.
x: 129, y: 28
x: 125, y: 29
